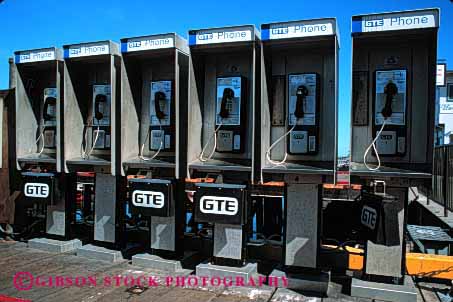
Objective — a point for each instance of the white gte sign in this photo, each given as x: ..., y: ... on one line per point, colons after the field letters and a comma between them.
x: 148, y: 199
x: 36, y: 190
x: 219, y: 205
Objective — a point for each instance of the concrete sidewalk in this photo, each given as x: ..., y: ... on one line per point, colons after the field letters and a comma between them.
x: 18, y: 258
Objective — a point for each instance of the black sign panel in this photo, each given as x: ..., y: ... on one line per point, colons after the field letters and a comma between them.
x: 150, y: 197
x: 221, y: 203
x: 379, y: 219
x: 38, y: 187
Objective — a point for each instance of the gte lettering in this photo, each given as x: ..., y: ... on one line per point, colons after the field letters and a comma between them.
x: 149, y: 43
x: 369, y: 217
x: 134, y: 44
x: 37, y: 190
x: 148, y: 199
x: 374, y: 23
x: 219, y: 205
x: 24, y: 57
x: 205, y: 36
x: 279, y: 30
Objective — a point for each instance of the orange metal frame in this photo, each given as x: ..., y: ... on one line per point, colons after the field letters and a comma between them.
x: 420, y: 265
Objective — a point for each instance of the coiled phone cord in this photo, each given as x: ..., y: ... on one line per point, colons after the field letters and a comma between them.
x: 41, y: 136
x: 84, y: 153
x: 200, y: 157
x: 268, y: 152
x: 375, y: 149
x: 140, y: 155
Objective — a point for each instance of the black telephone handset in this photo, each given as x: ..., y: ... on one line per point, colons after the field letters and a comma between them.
x: 228, y: 94
x: 49, y: 101
x: 100, y: 98
x: 390, y: 91
x: 301, y: 94
x: 159, y: 96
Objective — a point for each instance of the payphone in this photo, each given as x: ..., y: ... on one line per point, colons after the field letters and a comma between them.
x: 300, y: 117
x: 154, y: 100
x: 49, y: 117
x: 229, y: 106
x: 101, y: 120
x: 38, y: 83
x: 298, y: 141
x: 90, y: 101
x: 161, y: 118
x: 229, y: 130
x: 303, y: 123
x: 302, y: 109
x: 393, y: 108
x: 224, y: 91
x: 153, y: 86
x: 37, y: 76
x: 91, y: 82
x: 389, y: 118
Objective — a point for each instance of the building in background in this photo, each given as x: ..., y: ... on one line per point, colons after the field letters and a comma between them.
x: 444, y: 108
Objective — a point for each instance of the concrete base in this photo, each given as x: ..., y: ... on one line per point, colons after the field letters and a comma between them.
x: 54, y: 246
x: 317, y: 283
x: 99, y: 253
x: 159, y: 263
x: 384, y: 291
x: 209, y: 270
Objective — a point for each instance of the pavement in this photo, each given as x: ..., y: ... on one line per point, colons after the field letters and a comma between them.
x: 75, y: 278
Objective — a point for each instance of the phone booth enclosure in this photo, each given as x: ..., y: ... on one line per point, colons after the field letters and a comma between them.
x: 154, y: 78
x: 405, y: 56
x: 223, y: 89
x: 91, y: 84
x: 298, y: 56
x: 37, y: 77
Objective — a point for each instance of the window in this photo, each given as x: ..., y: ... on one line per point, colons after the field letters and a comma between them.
x: 450, y: 92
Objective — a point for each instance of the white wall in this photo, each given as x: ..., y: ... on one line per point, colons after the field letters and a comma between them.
x: 446, y: 108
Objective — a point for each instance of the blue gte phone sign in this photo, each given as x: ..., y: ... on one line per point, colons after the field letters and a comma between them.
x: 224, y: 35
x: 147, y: 43
x: 84, y: 50
x: 34, y: 56
x: 396, y: 21
x: 298, y: 29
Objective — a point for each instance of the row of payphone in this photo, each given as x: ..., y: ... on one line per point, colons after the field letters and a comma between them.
x: 303, y: 109
x: 160, y: 116
x: 227, y: 93
x: 254, y: 112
